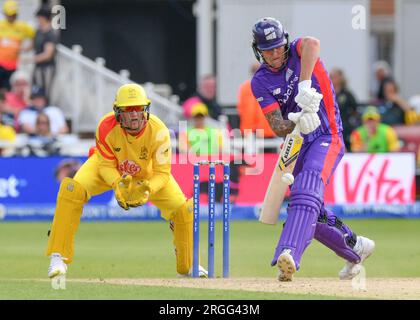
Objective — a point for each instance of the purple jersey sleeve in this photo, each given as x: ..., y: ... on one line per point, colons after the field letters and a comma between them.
x: 295, y: 46
x: 265, y: 99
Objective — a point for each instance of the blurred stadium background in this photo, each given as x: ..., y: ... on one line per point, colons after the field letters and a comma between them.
x: 169, y: 46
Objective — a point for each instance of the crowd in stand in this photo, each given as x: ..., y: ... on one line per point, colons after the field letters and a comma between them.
x: 375, y: 126
x: 369, y: 126
x: 372, y: 126
x: 24, y: 98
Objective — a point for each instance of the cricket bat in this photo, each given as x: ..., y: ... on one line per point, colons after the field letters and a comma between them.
x: 281, y: 178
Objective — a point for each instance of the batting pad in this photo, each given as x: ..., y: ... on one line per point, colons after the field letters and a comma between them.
x: 70, y: 201
x: 302, y: 215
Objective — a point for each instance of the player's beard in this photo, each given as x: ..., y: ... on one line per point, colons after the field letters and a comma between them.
x: 133, y: 125
x: 283, y: 58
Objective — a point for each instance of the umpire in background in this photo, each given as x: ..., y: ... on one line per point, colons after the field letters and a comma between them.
x: 45, y: 44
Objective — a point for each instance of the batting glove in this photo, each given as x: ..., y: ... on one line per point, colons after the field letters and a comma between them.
x: 307, y: 121
x: 308, y: 99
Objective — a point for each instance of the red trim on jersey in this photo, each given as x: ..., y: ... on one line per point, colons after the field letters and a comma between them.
x: 9, y: 65
x: 91, y: 151
x: 321, y: 76
x: 298, y: 47
x: 105, y: 128
x: 270, y: 107
x: 99, y: 148
x: 331, y: 157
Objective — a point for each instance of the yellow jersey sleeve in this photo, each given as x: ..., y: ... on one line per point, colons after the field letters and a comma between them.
x: 28, y: 30
x: 392, y: 139
x: 161, y: 158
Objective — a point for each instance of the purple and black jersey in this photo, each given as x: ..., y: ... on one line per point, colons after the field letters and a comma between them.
x: 274, y: 89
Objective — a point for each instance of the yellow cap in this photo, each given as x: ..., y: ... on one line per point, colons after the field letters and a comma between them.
x: 371, y: 113
x: 199, y: 108
x: 10, y: 8
x: 131, y: 95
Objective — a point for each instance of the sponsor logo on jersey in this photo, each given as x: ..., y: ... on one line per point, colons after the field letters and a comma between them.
x: 260, y: 99
x: 129, y: 167
x: 143, y: 153
x: 289, y: 73
x: 289, y: 90
x: 117, y: 149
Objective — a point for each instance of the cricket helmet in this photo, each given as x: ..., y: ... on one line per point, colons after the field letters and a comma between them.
x: 268, y: 33
x: 129, y: 95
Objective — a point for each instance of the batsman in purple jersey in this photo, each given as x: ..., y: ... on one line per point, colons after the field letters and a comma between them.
x: 292, y: 83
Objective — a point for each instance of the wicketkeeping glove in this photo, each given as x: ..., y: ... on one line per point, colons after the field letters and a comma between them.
x: 121, y: 188
x: 140, y: 193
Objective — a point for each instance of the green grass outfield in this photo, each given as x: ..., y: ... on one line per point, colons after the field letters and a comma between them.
x: 144, y: 250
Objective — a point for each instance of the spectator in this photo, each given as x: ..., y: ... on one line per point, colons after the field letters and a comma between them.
x: 413, y: 116
x: 250, y: 114
x: 42, y: 126
x: 7, y: 133
x: 382, y: 74
x: 45, y: 48
x: 206, y: 94
x: 200, y: 139
x: 42, y: 143
x: 6, y: 118
x: 12, y: 34
x: 374, y: 136
x: 18, y: 98
x: 66, y: 168
x: 27, y: 118
x: 393, y: 107
x: 347, y: 104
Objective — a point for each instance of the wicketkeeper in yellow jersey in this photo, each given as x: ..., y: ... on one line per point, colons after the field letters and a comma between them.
x: 132, y: 157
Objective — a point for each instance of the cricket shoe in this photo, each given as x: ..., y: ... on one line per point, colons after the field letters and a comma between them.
x: 202, y: 273
x: 57, y: 266
x: 364, y: 247
x: 286, y: 266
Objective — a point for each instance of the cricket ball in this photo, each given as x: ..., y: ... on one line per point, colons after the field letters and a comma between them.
x: 288, y: 178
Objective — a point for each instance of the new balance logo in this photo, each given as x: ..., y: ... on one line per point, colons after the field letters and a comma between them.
x: 325, y: 144
x: 276, y: 91
x: 117, y: 149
